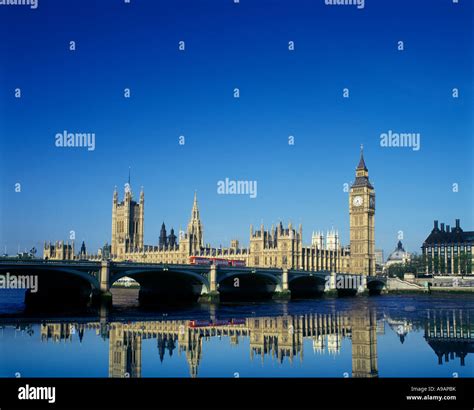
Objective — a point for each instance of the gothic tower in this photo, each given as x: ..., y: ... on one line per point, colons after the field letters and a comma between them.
x: 163, y: 241
x: 128, y: 220
x: 332, y: 240
x: 364, y: 344
x: 125, y: 353
x: 362, y: 221
x: 195, y: 228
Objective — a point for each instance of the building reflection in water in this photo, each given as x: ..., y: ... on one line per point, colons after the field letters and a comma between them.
x: 448, y: 333
x: 364, y: 344
x: 400, y: 326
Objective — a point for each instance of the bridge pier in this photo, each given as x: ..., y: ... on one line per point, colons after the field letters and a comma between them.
x: 347, y: 284
x: 363, y: 290
x: 105, y: 276
x: 375, y: 285
x: 330, y: 284
x: 285, y: 292
x: 213, y: 311
x: 213, y: 296
x: 103, y: 296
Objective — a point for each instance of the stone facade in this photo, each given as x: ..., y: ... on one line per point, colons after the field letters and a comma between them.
x: 362, y: 222
x: 449, y: 251
x: 59, y: 251
x: 128, y: 220
x: 277, y: 247
x: 281, y: 338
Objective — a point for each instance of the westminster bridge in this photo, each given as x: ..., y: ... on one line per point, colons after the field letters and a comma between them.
x: 68, y: 281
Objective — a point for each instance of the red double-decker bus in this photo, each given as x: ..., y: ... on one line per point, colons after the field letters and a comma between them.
x: 217, y: 322
x: 198, y: 260
x: 202, y: 260
x: 238, y: 321
x: 199, y: 323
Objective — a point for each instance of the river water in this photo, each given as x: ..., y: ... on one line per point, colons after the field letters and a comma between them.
x: 384, y: 336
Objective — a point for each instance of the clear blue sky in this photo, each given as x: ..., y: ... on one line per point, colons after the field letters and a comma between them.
x: 190, y: 93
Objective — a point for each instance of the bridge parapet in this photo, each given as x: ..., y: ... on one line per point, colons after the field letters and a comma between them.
x: 208, y: 281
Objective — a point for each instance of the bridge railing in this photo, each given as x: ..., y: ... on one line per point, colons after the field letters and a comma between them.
x: 47, y: 261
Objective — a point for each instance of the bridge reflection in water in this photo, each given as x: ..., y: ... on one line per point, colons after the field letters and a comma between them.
x: 449, y: 333
x: 279, y: 337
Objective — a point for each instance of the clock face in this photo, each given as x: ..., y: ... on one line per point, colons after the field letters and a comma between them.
x: 357, y: 201
x: 372, y: 202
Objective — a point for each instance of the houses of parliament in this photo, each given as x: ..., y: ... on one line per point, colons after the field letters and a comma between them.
x: 277, y: 247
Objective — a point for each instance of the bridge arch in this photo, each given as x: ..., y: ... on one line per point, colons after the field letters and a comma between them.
x: 165, y: 285
x: 247, y: 285
x: 375, y: 286
x: 36, y: 270
x: 57, y: 284
x: 304, y: 286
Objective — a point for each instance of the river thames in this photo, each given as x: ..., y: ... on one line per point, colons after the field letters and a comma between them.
x: 386, y: 336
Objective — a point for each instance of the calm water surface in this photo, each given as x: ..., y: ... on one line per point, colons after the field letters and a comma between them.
x: 386, y: 336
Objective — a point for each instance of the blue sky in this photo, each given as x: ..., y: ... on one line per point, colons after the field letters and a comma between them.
x: 190, y: 93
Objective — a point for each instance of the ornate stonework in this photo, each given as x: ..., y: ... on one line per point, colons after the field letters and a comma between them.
x: 278, y: 247
x: 362, y: 221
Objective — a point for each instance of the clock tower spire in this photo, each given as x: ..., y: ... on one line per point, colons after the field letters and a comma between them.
x: 362, y: 221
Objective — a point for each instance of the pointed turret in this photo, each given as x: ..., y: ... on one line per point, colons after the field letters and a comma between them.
x: 195, y: 210
x: 361, y: 161
x: 83, y: 249
x: 172, y: 239
x: 362, y: 173
x: 195, y: 231
x: 163, y: 238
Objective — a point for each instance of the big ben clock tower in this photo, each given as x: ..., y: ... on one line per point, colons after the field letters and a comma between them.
x: 362, y: 221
